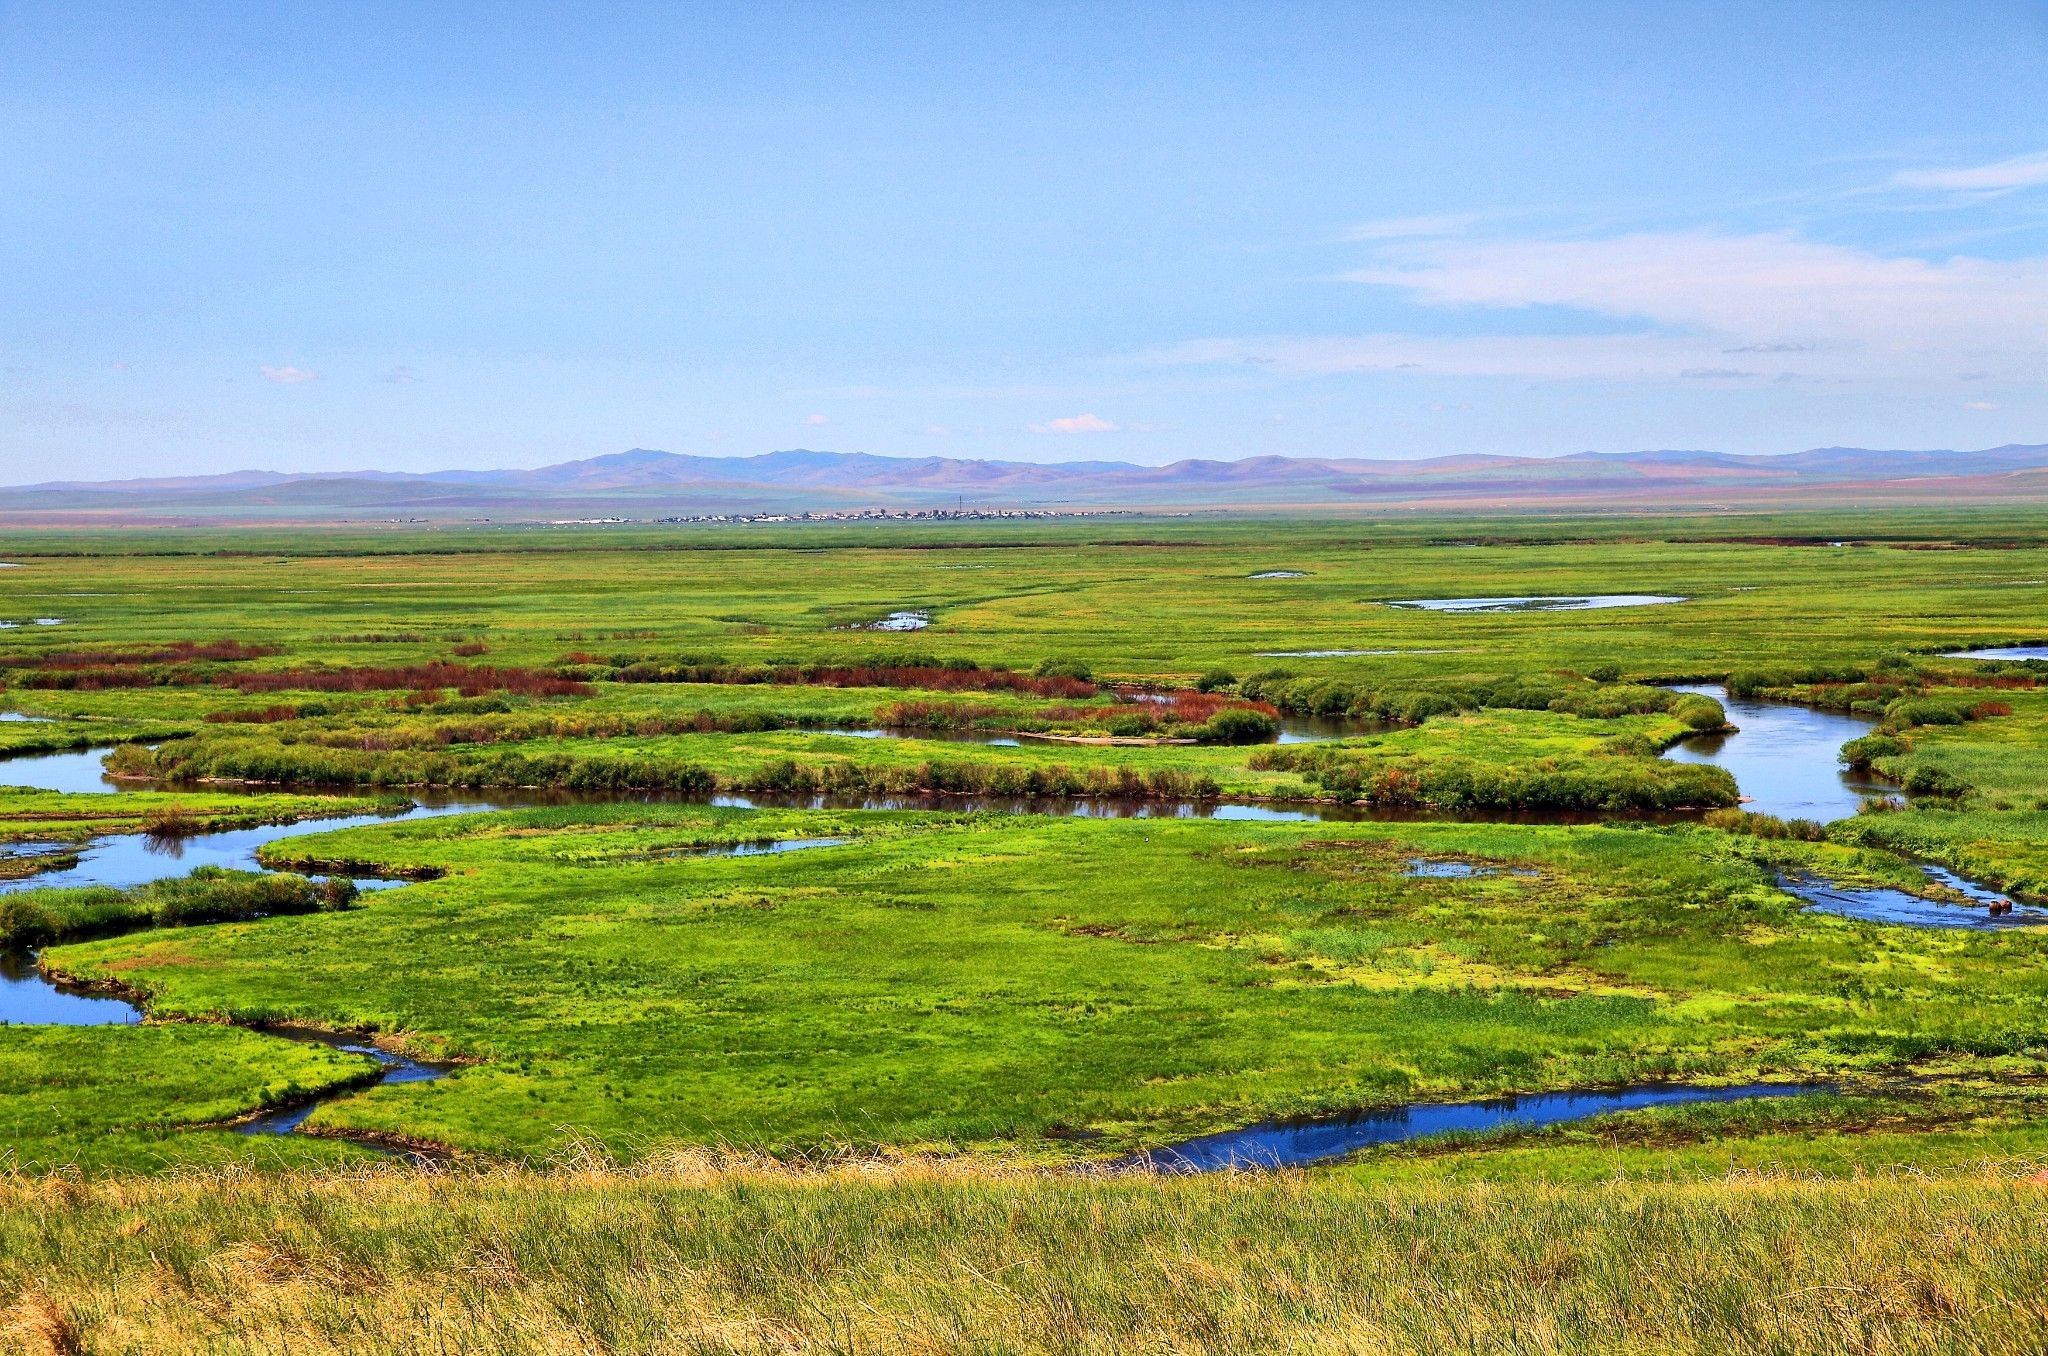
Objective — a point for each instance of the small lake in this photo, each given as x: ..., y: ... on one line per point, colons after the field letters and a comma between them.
x: 1279, y: 574
x: 1786, y: 759
x: 902, y: 621
x: 2007, y: 652
x: 1538, y: 603
x: 1297, y: 1143
x: 1431, y: 868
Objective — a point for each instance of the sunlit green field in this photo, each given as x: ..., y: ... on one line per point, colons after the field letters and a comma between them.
x: 1136, y: 598
x: 962, y: 1011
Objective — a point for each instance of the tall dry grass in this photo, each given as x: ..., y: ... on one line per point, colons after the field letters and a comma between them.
x: 706, y: 1254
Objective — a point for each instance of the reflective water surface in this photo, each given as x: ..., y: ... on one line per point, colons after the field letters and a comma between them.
x: 1286, y: 1144
x: 1538, y: 603
x: 1786, y: 759
x: 2001, y: 652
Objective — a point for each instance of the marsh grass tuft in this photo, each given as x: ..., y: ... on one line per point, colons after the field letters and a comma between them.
x: 708, y: 1252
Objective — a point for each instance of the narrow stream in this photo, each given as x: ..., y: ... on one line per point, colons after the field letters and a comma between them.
x: 1883, y: 904
x: 393, y: 1068
x: 1297, y: 1143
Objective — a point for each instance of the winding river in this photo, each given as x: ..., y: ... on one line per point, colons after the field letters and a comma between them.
x: 1784, y: 757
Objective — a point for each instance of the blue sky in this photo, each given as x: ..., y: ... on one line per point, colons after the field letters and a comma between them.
x: 411, y: 237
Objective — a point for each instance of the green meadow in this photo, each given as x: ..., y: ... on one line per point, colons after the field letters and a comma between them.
x: 880, y: 1075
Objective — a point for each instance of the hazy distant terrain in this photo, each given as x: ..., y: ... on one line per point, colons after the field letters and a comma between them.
x: 646, y: 484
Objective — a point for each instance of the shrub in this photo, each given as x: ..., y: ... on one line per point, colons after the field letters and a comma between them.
x: 1700, y: 712
x: 1926, y: 780
x: 1238, y: 725
x: 1910, y: 711
x: 1216, y: 680
x: 1864, y: 751
x: 1766, y: 826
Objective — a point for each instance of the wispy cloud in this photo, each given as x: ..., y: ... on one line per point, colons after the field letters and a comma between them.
x: 288, y: 376
x: 1410, y: 228
x: 401, y: 376
x: 1675, y: 304
x: 2003, y: 176
x: 1079, y: 423
x: 817, y: 420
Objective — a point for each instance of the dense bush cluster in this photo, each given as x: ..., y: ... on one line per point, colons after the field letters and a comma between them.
x: 182, y: 663
x: 470, y: 680
x: 928, y: 715
x: 210, y: 894
x: 1458, y: 783
x: 267, y: 761
x: 1413, y: 704
x: 1205, y: 717
x: 1766, y: 826
x: 928, y: 672
x: 177, y: 652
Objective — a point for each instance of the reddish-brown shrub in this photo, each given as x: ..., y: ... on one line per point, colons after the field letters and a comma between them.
x: 469, y: 680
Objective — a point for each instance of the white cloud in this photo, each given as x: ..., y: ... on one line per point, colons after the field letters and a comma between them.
x: 1408, y: 228
x: 816, y: 420
x: 1980, y: 405
x: 401, y: 376
x: 1079, y: 423
x: 2022, y: 171
x: 288, y: 376
x: 1687, y: 299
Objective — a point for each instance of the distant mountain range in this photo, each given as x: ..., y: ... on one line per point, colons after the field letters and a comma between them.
x: 643, y: 483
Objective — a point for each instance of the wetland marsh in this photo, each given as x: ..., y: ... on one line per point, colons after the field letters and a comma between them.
x: 1433, y: 896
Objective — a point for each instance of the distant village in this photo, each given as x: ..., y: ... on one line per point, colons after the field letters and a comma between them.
x: 951, y: 515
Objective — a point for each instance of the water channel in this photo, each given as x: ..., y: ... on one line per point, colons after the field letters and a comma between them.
x: 1785, y: 758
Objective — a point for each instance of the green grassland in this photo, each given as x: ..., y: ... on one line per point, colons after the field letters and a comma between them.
x: 112, y: 1099
x: 1059, y: 987
x: 384, y: 749
x: 1175, y: 608
x: 959, y: 1012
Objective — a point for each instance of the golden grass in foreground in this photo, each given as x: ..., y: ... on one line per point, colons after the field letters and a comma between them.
x: 698, y: 1254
